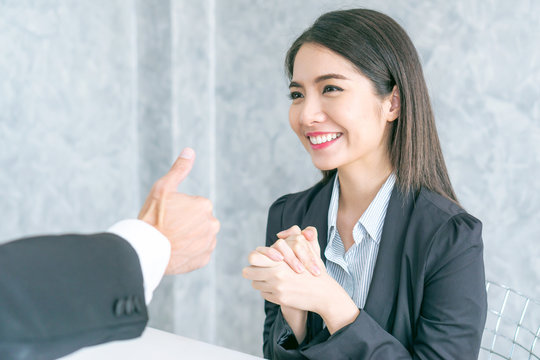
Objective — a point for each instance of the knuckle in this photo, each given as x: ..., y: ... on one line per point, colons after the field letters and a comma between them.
x: 280, y: 243
x: 207, y: 203
x: 289, y: 260
x: 280, y: 277
x: 292, y: 261
x: 206, y: 259
x: 297, y: 246
x: 159, y: 186
x: 261, y: 250
x: 202, y: 202
x: 210, y: 234
x: 212, y: 246
x: 216, y: 225
x: 252, y: 255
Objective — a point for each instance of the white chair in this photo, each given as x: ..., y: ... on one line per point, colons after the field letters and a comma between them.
x: 512, y: 325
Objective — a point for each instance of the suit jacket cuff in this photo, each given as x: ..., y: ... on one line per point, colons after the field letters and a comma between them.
x: 284, y: 342
x: 152, y: 247
x: 362, y: 339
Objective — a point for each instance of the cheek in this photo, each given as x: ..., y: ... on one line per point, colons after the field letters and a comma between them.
x: 363, y: 122
x: 293, y: 120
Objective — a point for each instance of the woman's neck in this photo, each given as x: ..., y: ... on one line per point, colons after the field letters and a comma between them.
x: 359, y: 184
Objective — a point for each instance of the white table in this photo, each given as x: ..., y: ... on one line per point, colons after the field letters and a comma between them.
x: 157, y: 344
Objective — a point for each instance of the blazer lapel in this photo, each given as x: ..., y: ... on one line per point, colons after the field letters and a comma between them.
x: 317, y: 214
x: 383, y: 289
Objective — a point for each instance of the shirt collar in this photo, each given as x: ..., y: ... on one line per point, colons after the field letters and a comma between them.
x: 372, y: 219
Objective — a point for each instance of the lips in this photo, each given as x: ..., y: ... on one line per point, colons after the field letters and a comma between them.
x: 319, y: 140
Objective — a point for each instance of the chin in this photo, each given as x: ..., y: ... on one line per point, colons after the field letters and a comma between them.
x: 324, y: 165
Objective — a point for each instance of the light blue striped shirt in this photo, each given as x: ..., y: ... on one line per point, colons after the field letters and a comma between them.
x: 353, y: 269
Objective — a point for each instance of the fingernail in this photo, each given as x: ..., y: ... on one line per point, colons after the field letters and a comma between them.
x: 187, y: 153
x: 280, y: 233
x: 315, y: 269
x: 309, y: 233
x: 299, y: 266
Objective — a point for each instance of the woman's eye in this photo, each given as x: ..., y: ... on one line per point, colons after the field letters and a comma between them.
x: 295, y: 95
x: 331, y: 88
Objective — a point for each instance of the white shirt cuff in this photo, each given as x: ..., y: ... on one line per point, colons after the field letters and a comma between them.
x: 152, y: 247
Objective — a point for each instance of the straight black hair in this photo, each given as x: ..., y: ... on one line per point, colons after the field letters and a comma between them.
x: 383, y: 52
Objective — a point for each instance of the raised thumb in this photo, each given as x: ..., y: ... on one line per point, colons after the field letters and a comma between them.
x: 179, y: 170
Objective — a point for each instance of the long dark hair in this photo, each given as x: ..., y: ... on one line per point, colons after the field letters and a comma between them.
x: 383, y: 52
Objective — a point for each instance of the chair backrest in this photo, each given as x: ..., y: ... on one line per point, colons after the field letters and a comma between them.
x: 512, y: 325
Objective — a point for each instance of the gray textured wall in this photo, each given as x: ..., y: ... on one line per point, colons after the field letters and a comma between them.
x: 97, y: 97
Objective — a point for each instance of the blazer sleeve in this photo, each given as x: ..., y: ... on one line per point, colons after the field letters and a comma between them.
x: 61, y: 293
x: 451, y: 318
x: 452, y: 314
x: 279, y: 341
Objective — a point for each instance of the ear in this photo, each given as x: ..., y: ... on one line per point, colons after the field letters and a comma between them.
x: 394, y: 103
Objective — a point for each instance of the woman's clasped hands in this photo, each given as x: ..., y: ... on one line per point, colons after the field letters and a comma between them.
x: 279, y: 272
x: 292, y: 274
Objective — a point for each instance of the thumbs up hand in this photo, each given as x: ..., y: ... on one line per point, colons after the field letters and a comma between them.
x: 187, y: 221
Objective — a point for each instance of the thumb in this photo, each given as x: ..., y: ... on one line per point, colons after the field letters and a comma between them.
x: 293, y: 230
x: 179, y: 170
x: 310, y: 233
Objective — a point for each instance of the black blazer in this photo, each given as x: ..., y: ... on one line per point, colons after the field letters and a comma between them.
x: 427, y: 297
x: 61, y: 293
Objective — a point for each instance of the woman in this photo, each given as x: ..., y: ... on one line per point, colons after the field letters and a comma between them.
x: 388, y: 266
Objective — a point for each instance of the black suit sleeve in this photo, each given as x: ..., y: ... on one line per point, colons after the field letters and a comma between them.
x: 61, y: 293
x: 279, y: 341
x: 450, y: 322
x: 453, y: 309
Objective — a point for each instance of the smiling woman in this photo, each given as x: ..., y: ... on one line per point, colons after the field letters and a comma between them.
x: 388, y: 265
x: 341, y: 106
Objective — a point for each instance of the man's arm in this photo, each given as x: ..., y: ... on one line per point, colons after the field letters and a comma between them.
x: 61, y: 293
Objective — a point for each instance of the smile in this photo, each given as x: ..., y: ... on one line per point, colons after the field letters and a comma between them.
x: 320, y: 140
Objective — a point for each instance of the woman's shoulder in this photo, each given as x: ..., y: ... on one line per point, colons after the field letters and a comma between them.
x: 448, y: 219
x: 441, y: 206
x: 443, y: 235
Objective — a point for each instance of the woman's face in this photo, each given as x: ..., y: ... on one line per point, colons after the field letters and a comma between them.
x: 336, y: 113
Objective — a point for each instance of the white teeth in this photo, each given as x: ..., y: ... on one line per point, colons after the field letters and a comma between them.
x: 322, y: 139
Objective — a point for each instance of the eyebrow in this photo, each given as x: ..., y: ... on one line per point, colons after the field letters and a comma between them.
x: 319, y: 79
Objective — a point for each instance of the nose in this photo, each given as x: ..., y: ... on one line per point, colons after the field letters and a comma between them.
x: 311, y: 111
